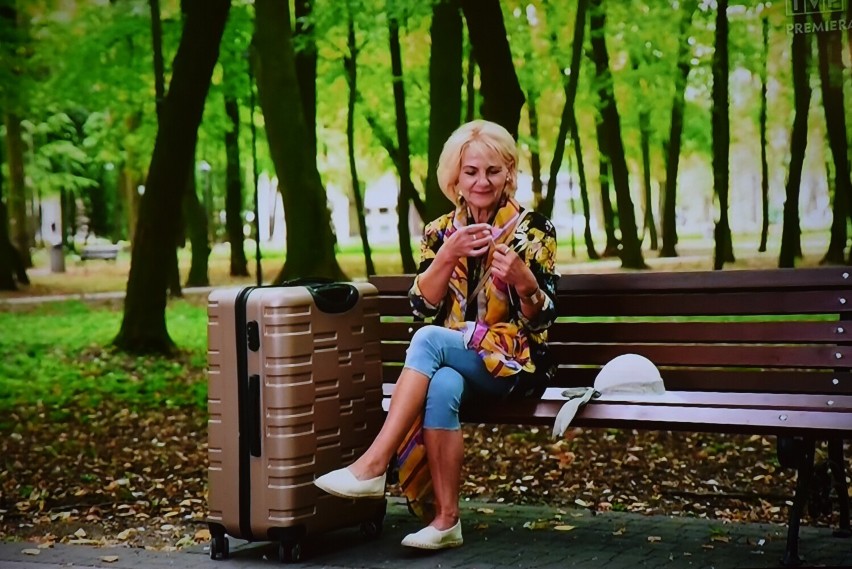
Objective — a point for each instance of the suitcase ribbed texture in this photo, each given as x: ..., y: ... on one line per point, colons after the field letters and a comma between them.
x: 309, y: 401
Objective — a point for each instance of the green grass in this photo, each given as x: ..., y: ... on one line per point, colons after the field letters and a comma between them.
x: 58, y: 356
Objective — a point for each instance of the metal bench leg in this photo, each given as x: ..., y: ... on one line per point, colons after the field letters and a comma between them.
x: 835, y: 461
x: 806, y: 471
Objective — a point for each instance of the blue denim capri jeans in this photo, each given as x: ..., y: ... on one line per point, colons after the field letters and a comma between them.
x: 455, y: 373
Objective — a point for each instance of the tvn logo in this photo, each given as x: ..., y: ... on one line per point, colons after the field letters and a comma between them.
x: 795, y: 7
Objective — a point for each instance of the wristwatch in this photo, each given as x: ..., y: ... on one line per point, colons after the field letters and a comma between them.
x: 535, y: 298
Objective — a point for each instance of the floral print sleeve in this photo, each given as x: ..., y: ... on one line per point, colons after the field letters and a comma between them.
x: 433, y: 238
x: 535, y: 243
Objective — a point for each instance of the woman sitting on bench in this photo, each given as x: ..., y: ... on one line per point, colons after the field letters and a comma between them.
x: 487, y: 277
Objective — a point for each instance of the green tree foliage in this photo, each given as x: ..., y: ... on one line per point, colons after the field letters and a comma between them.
x: 77, y: 78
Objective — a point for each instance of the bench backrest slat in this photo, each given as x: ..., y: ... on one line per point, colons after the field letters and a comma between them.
x: 748, y: 331
x: 673, y: 332
x: 704, y: 304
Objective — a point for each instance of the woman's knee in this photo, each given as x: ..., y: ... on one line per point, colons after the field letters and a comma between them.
x: 432, y: 337
x: 428, y: 348
x: 443, y: 400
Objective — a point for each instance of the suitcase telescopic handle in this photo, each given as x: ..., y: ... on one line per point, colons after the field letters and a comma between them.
x: 334, y: 297
x: 329, y: 296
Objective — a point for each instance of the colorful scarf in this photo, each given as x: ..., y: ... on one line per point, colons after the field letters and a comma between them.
x: 502, y: 345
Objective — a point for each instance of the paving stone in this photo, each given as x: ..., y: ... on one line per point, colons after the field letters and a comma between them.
x: 493, y: 541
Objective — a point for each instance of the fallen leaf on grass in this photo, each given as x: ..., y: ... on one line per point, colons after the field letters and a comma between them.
x: 563, y: 528
x: 654, y: 538
x: 619, y: 531
x: 485, y: 510
x: 722, y: 538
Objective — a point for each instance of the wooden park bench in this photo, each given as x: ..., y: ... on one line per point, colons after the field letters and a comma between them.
x: 106, y: 252
x: 765, y: 352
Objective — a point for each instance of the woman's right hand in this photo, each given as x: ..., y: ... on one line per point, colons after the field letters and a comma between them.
x: 470, y: 241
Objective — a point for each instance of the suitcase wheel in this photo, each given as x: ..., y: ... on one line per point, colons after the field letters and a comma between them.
x: 289, y: 551
x: 219, y: 547
x: 373, y: 528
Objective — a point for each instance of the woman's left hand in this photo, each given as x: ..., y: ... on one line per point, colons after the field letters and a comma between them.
x: 507, y: 266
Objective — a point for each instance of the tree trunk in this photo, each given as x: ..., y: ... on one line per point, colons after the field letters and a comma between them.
x: 306, y: 67
x: 568, y: 124
x: 310, y: 239
x: 724, y: 250
x: 129, y: 181
x: 648, y: 223
x: 19, y: 226
x: 470, y: 88
x: 584, y: 190
x: 445, y: 104
x: 350, y: 64
x: 569, y: 86
x: 764, y: 165
x: 195, y: 217
x: 535, y: 152
x: 157, y: 54
x: 830, y: 48
x: 406, y: 188
x: 234, y: 190
x: 791, y: 232
x: 672, y: 147
x: 612, y: 244
x: 143, y: 328
x: 12, y: 269
x: 631, y: 252
x: 502, y: 97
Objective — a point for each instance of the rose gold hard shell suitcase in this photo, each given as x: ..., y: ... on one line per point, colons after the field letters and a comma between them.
x: 295, y: 391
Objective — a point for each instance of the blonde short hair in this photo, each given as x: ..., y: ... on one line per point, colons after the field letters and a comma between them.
x: 484, y: 135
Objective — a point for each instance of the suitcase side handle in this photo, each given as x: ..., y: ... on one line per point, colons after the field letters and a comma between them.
x: 254, y: 414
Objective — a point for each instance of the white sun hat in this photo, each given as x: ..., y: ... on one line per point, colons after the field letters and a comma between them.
x: 627, y: 373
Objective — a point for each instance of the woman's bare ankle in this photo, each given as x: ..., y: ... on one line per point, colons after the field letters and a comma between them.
x: 364, y: 469
x: 445, y: 521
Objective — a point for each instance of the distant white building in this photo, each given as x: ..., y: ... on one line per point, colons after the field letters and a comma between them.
x: 567, y: 190
x: 380, y: 215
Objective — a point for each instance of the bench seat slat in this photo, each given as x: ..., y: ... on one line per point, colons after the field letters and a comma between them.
x: 665, y: 417
x: 778, y: 401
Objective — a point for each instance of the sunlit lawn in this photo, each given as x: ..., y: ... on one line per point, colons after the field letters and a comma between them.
x: 57, y: 354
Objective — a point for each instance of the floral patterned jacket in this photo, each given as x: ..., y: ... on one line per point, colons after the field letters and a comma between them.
x: 533, y: 237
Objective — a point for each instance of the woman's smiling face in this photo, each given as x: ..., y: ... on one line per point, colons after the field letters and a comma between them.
x: 482, y: 179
